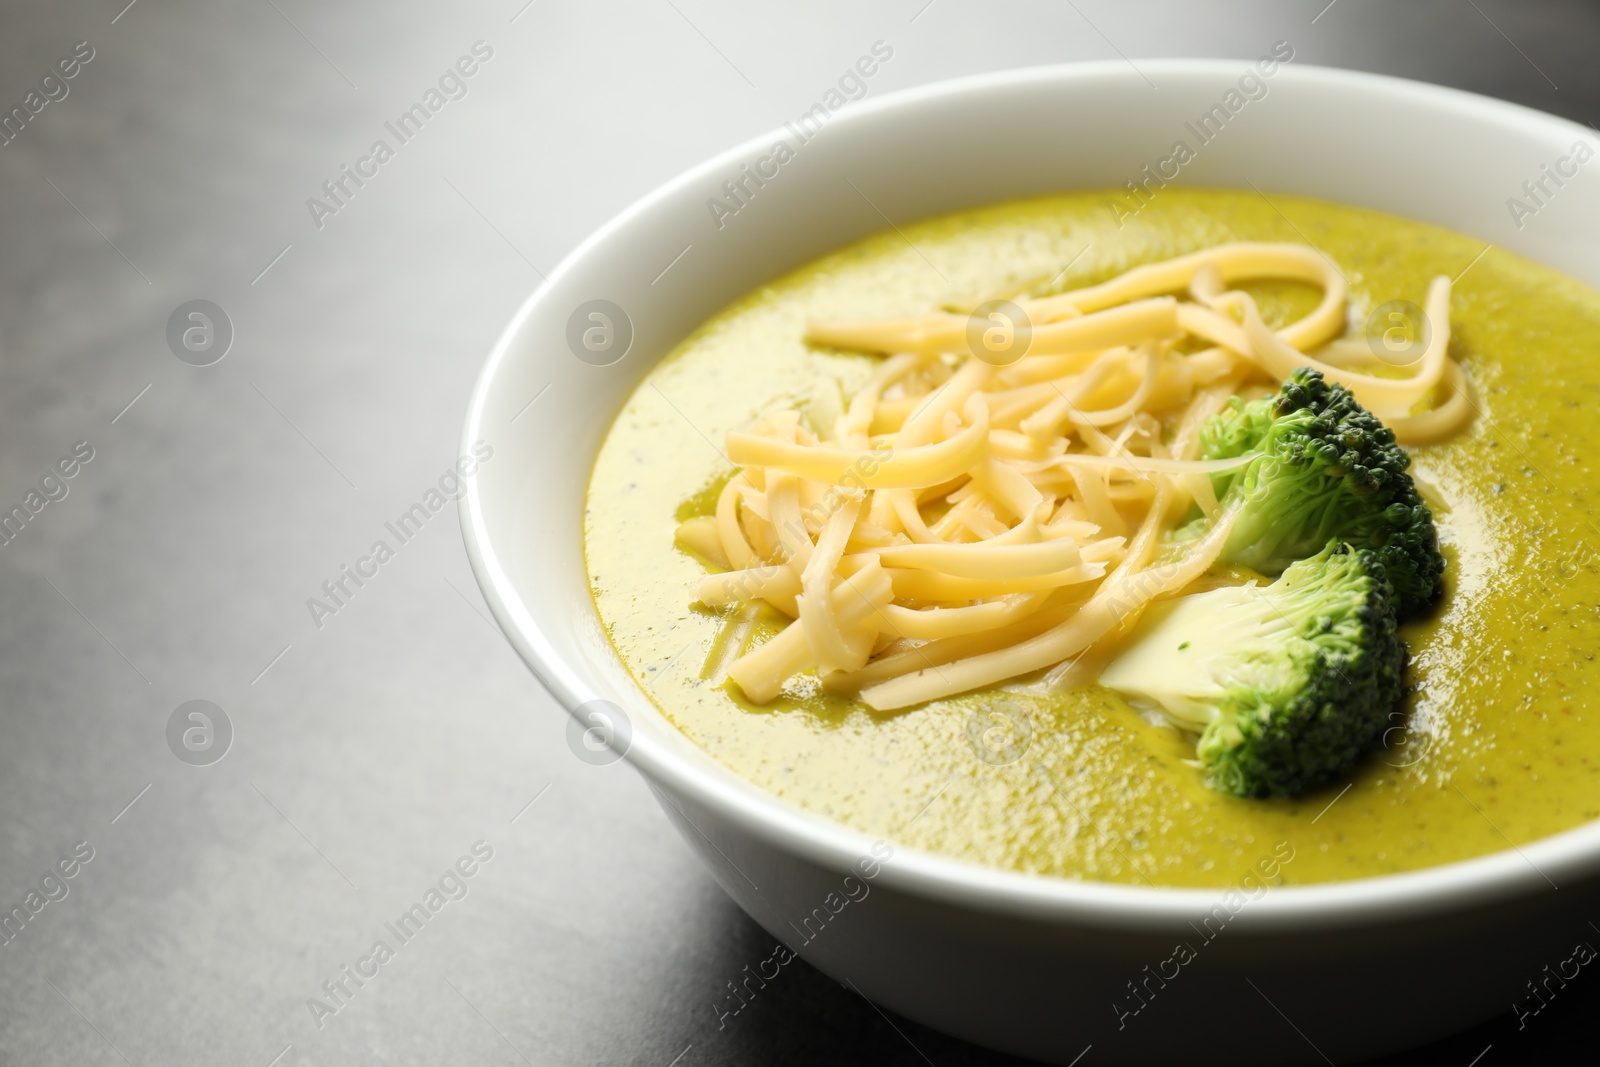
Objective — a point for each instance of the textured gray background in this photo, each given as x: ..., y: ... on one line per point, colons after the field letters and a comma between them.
x: 377, y: 749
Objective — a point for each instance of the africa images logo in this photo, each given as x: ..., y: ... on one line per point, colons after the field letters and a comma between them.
x: 452, y: 85
x: 739, y: 190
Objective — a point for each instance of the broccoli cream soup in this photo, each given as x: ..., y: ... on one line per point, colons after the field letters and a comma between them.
x: 1153, y: 595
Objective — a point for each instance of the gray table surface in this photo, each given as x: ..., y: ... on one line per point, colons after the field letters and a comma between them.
x: 372, y: 752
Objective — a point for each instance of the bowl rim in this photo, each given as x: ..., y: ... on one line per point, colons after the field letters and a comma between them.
x: 1513, y: 872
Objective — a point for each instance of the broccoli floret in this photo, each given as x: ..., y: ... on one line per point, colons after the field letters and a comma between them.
x: 1286, y: 684
x: 1328, y: 469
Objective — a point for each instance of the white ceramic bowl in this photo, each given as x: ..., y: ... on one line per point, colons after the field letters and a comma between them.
x: 1026, y: 964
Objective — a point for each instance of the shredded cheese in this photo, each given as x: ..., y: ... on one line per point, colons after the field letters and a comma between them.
x: 965, y: 521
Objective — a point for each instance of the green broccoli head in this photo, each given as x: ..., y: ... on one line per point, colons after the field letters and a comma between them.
x: 1328, y: 468
x: 1287, y: 684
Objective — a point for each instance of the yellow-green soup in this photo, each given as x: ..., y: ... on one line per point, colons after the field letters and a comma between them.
x: 1499, y: 745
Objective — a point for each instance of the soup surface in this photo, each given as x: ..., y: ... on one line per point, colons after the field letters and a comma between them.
x: 1499, y: 745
